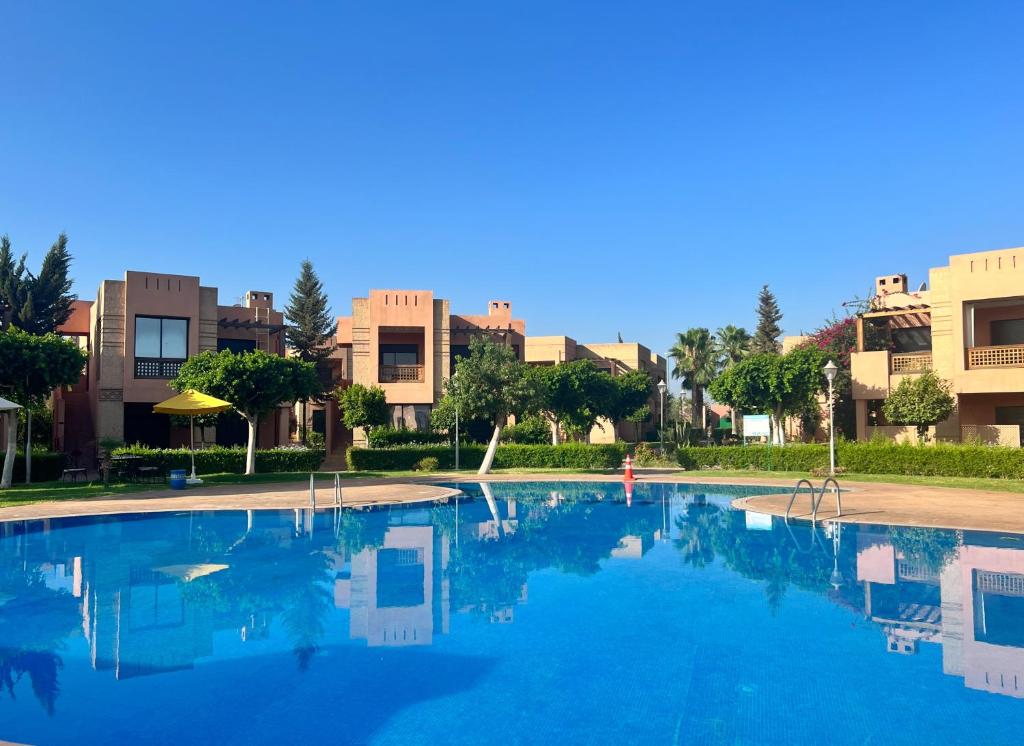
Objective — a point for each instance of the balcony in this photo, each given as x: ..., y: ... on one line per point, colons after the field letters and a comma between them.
x: 156, y: 367
x: 401, y: 374
x: 910, y: 362
x: 999, y: 356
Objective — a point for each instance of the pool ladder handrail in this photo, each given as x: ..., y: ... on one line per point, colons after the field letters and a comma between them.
x: 816, y: 502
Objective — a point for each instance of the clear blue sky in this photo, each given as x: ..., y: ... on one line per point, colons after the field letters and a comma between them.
x: 634, y: 167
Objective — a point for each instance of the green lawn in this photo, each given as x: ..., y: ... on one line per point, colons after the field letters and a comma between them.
x: 46, y: 491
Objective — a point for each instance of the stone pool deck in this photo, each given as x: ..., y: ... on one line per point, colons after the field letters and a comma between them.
x: 904, y: 505
x: 863, y: 502
x: 279, y: 496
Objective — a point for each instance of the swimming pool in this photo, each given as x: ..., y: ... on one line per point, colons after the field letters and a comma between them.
x: 520, y: 613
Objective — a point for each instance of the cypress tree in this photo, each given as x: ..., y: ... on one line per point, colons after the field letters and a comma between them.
x: 36, y: 303
x: 766, y: 337
x: 50, y: 291
x: 309, y: 325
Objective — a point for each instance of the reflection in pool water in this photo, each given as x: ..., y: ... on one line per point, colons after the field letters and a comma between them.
x: 541, y: 612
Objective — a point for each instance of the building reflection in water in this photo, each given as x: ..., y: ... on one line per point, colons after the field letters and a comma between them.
x: 972, y: 605
x: 156, y: 593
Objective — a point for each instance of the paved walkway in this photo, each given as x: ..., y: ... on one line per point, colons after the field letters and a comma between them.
x: 905, y: 505
x: 863, y: 502
x: 233, y: 497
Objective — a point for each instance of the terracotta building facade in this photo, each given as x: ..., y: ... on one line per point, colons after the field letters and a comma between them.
x: 407, y: 342
x: 967, y: 325
x: 138, y: 332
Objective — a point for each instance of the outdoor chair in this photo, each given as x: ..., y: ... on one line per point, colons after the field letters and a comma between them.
x: 74, y: 472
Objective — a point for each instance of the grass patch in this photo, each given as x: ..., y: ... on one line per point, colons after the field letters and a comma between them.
x: 963, y: 483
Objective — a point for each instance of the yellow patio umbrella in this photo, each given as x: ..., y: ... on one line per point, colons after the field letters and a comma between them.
x: 192, y: 403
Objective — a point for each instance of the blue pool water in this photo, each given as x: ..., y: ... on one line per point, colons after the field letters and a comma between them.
x: 520, y: 613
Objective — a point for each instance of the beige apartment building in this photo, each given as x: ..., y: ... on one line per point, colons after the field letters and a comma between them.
x: 138, y: 332
x: 966, y: 323
x: 407, y: 341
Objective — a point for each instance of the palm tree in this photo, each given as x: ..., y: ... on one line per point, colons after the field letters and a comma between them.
x: 733, y: 344
x: 696, y: 362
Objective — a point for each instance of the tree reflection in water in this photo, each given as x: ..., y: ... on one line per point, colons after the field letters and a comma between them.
x: 34, y: 622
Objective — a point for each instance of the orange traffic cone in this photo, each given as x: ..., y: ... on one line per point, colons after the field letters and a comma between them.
x: 628, y: 476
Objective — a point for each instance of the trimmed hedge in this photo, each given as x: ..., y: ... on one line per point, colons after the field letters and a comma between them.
x: 46, y: 466
x: 218, y: 459
x: 938, y: 460
x: 793, y: 457
x: 565, y: 456
x: 387, y: 437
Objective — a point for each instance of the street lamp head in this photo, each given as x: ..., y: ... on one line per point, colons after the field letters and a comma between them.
x: 830, y: 371
x: 662, y: 387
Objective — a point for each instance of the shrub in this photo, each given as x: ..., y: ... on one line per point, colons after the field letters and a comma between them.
x: 46, y: 466
x: 646, y: 454
x: 794, y: 457
x: 218, y: 459
x: 388, y: 437
x: 565, y: 456
x: 530, y: 431
x: 427, y: 463
x: 940, y: 460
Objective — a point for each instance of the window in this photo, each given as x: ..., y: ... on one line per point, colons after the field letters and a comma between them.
x: 161, y: 345
x: 237, y: 346
x: 1008, y: 332
x: 399, y: 355
x: 912, y: 339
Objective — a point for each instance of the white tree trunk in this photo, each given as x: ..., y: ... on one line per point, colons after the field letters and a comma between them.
x: 492, y: 448
x: 780, y: 433
x: 556, y: 435
x: 12, y: 445
x: 28, y: 446
x: 250, y: 453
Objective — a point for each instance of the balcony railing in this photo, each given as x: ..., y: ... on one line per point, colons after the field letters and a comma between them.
x: 911, y: 362
x: 401, y: 373
x: 155, y: 367
x: 1000, y: 356
x: 1000, y: 583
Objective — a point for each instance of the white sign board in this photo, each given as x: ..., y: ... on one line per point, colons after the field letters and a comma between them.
x: 756, y: 426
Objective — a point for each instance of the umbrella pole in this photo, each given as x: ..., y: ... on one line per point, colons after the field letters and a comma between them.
x: 192, y: 442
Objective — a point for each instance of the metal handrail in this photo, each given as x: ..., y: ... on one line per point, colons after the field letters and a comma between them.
x: 796, y: 491
x: 836, y: 492
x: 815, y: 539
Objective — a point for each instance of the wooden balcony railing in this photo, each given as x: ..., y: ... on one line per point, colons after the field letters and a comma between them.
x: 910, y: 362
x: 156, y: 367
x: 1000, y: 356
x: 401, y: 373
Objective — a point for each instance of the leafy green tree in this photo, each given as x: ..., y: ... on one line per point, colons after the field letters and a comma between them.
x: 363, y: 406
x: 766, y: 336
x: 777, y: 385
x: 696, y: 362
x: 31, y: 367
x: 36, y: 303
x: 573, y: 395
x: 255, y: 383
x: 921, y: 401
x: 491, y: 384
x: 632, y: 393
x: 310, y: 327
